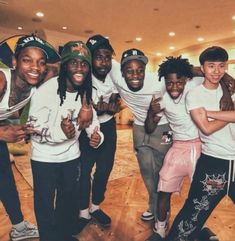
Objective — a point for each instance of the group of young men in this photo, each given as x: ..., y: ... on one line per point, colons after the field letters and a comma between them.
x: 72, y: 127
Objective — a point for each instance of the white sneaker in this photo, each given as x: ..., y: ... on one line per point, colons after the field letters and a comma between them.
x: 147, y: 216
x: 30, y: 231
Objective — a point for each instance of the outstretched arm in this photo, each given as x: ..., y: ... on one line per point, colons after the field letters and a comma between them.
x: 228, y: 116
x: 199, y: 116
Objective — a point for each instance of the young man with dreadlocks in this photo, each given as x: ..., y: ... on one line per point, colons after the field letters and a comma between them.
x: 180, y: 160
x: 106, y: 103
x: 17, y: 86
x: 214, y: 176
x: 55, y: 149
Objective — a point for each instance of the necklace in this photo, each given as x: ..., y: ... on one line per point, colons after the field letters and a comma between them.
x: 178, y: 99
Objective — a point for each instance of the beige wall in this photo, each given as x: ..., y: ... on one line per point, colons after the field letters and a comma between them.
x: 193, y: 52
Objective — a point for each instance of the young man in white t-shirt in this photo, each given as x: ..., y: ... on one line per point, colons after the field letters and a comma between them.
x: 137, y: 87
x: 17, y: 85
x: 180, y: 160
x: 105, y: 99
x: 215, y: 173
x: 55, y: 157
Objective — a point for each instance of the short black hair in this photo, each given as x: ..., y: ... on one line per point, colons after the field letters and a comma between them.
x: 214, y: 53
x: 176, y: 65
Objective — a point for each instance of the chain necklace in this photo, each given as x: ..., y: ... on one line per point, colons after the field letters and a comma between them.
x: 178, y: 99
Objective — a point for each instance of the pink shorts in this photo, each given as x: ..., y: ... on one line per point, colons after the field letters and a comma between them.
x: 180, y: 161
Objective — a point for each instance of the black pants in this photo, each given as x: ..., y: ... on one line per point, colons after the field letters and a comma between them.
x: 8, y: 192
x: 56, y: 187
x: 103, y: 157
x: 212, y: 180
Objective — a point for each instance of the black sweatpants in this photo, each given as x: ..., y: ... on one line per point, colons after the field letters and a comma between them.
x: 212, y: 180
x: 8, y: 192
x: 56, y: 189
x: 103, y: 157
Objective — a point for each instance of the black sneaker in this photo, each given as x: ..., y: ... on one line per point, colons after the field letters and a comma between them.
x: 155, y: 237
x: 207, y: 235
x: 102, y: 218
x: 82, y: 222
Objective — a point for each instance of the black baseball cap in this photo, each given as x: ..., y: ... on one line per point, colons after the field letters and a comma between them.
x: 98, y: 41
x: 34, y: 41
x: 133, y: 54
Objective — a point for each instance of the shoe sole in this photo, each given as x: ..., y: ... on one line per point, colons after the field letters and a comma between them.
x: 102, y: 225
x: 19, y: 239
x: 147, y: 219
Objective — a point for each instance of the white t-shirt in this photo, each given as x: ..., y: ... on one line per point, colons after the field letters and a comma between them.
x: 220, y: 144
x: 106, y: 89
x: 180, y: 120
x: 138, y: 102
x: 46, y: 115
x: 5, y: 110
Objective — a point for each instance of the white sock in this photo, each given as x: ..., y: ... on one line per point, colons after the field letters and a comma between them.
x: 85, y: 213
x: 161, y: 228
x: 19, y: 226
x: 94, y: 208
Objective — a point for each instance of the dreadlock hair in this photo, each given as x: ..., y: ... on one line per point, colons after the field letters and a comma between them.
x: 62, y: 86
x: 177, y: 65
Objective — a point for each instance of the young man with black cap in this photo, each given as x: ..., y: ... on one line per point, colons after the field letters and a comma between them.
x: 106, y: 103
x: 55, y: 149
x: 16, y: 88
x: 137, y: 87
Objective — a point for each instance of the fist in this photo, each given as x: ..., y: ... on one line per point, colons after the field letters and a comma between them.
x: 95, y: 138
x: 85, y: 114
x: 68, y: 127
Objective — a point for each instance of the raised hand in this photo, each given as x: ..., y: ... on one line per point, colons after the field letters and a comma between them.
x: 95, y: 138
x: 101, y: 107
x: 114, y: 105
x: 155, y: 106
x: 15, y: 133
x: 85, y: 114
x: 68, y: 127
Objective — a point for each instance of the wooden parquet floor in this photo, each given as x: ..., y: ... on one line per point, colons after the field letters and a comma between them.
x: 125, y: 200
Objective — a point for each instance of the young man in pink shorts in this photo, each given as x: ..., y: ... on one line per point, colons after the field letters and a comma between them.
x: 180, y: 161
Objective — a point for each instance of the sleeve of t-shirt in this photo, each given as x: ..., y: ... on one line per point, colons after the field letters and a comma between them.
x: 115, y: 72
x: 114, y: 89
x: 233, y: 97
x: 197, y: 80
x: 192, y: 100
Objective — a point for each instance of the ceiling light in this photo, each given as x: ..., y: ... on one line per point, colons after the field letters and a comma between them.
x: 172, y: 47
x: 233, y: 17
x: 138, y: 39
x: 200, y: 39
x: 171, y: 34
x: 40, y: 14
x: 19, y: 28
x: 129, y: 41
x: 64, y: 28
x: 158, y: 54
